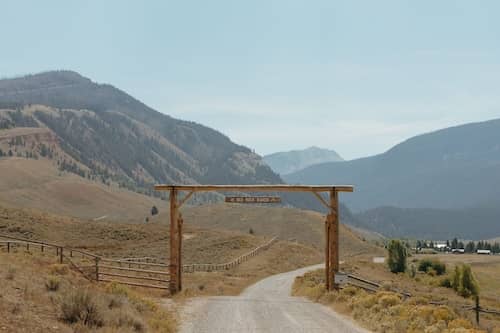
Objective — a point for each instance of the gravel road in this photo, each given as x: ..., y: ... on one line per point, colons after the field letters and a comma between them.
x: 264, y: 307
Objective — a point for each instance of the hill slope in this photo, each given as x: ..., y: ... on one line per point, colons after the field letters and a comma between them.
x: 111, y: 135
x: 291, y: 161
x: 448, y: 169
x: 427, y: 223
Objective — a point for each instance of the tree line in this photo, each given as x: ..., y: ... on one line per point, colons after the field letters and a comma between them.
x: 469, y: 247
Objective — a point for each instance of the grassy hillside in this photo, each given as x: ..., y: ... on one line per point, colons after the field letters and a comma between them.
x: 306, y: 227
x: 39, y: 184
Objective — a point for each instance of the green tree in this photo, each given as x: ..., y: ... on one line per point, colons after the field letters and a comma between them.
x: 470, y: 247
x: 397, y: 256
x: 468, y: 284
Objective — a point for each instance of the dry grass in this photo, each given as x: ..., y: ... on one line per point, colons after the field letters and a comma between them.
x: 383, y: 311
x: 34, y: 300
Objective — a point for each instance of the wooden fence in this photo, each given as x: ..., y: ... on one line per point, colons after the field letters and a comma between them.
x: 222, y: 267
x: 97, y: 268
x: 374, y: 287
x: 140, y: 272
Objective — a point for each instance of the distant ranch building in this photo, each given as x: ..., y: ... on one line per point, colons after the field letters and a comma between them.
x: 483, y: 251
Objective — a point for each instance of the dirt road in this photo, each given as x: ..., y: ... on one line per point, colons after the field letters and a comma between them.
x: 264, y: 307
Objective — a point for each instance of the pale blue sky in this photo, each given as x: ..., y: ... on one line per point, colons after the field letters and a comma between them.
x: 355, y: 76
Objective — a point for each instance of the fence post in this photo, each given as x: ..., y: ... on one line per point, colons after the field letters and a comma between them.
x: 41, y: 248
x: 61, y: 255
x: 97, y: 269
x: 8, y: 247
x: 477, y: 309
x: 28, y: 247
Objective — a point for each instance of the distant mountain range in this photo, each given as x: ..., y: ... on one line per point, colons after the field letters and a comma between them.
x: 291, y: 161
x: 108, y: 134
x: 453, y: 168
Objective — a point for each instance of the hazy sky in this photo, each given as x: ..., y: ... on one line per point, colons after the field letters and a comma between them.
x: 355, y: 76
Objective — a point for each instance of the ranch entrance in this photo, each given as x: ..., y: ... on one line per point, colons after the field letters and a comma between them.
x: 179, y: 194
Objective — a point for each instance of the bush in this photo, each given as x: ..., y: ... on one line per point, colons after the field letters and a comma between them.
x: 59, y: 269
x: 446, y: 282
x: 80, y: 306
x: 52, y: 283
x: 432, y: 266
x: 397, y: 256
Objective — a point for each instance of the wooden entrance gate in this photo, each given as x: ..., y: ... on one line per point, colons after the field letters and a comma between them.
x: 331, y: 223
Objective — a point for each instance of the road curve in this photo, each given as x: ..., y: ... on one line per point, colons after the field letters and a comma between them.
x: 264, y: 307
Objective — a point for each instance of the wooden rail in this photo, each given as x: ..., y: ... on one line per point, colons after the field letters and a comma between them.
x: 97, y: 271
x: 374, y: 287
x: 225, y: 266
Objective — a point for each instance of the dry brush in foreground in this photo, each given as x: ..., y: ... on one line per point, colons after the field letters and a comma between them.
x: 384, y: 311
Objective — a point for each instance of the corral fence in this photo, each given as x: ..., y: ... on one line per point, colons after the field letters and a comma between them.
x: 140, y: 272
x: 225, y: 266
x: 371, y: 286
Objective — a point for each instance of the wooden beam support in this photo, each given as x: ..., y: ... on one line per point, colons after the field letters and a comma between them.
x: 186, y: 198
x: 323, y: 201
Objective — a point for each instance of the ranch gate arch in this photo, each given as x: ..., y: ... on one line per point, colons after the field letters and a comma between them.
x: 331, y: 222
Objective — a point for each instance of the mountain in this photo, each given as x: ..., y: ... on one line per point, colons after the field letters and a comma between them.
x: 437, y: 224
x: 453, y: 168
x: 291, y: 161
x: 99, y: 132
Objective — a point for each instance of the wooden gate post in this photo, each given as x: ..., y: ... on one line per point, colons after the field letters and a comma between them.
x: 174, y: 246
x: 328, y: 280
x: 180, y: 222
x: 333, y: 240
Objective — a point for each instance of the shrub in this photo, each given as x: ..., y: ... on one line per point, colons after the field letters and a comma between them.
x: 388, y: 300
x: 459, y: 323
x: 412, y: 271
x: 446, y: 282
x: 52, y: 283
x: 59, y: 269
x: 397, y: 256
x: 432, y: 266
x: 80, y: 306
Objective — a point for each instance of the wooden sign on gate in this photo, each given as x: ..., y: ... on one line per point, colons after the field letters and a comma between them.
x: 253, y: 200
